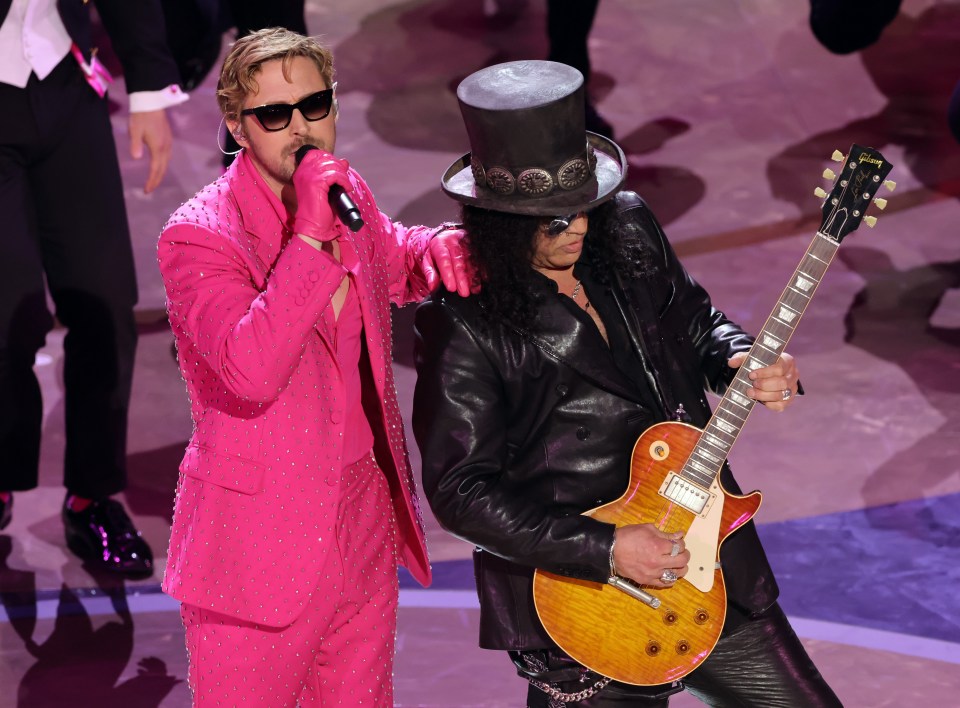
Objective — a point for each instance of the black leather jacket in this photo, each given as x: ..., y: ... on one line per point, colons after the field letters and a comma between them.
x: 522, y: 431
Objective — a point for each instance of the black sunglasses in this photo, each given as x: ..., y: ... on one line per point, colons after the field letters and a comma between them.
x: 560, y: 224
x: 277, y: 116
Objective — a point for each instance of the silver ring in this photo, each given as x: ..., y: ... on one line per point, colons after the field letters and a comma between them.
x: 675, y: 549
x: 785, y: 394
x: 668, y: 577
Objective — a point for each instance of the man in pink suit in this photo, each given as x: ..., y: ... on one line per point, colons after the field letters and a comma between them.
x: 296, y: 499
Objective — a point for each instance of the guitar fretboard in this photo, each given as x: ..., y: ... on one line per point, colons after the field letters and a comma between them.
x: 724, y: 427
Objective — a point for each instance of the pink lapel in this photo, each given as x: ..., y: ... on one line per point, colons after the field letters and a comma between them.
x: 265, y: 228
x: 263, y: 214
x: 374, y: 301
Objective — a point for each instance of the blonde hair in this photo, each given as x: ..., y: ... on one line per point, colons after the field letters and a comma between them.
x: 248, y: 55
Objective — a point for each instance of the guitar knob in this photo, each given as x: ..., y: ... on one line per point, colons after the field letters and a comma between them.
x: 659, y: 450
x: 829, y: 174
x: 890, y: 184
x: 871, y: 221
x: 880, y: 202
x: 820, y: 192
x: 838, y: 156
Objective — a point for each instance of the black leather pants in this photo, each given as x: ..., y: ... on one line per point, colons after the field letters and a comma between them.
x: 760, y: 664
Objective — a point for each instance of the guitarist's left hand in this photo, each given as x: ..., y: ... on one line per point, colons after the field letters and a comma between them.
x: 770, y: 383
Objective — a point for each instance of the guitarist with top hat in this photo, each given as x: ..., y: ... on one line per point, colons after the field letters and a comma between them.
x: 531, y: 395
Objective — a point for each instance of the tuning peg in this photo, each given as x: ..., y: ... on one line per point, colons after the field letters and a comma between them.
x: 890, y: 184
x: 820, y: 192
x: 829, y: 174
x: 880, y: 202
x: 870, y: 220
x: 838, y: 156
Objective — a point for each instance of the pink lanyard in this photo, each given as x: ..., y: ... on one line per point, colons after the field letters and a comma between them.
x: 95, y: 73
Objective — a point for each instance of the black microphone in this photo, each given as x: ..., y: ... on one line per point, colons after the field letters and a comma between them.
x: 339, y: 199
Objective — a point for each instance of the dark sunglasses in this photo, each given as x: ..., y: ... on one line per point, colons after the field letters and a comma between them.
x: 560, y: 224
x: 277, y: 116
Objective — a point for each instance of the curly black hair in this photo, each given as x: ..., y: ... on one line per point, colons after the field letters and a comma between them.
x: 501, y: 248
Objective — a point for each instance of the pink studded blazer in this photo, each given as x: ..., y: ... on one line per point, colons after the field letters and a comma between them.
x: 259, y: 483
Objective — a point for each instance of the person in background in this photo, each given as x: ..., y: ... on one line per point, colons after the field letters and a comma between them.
x: 568, y: 30
x: 66, y: 232
x: 847, y: 26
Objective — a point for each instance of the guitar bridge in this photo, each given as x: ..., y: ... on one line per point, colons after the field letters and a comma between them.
x: 681, y: 492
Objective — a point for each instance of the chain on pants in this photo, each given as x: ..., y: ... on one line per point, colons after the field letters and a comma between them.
x: 760, y: 664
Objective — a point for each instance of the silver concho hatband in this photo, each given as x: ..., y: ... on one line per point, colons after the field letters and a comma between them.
x: 501, y: 181
x: 573, y: 173
x: 536, y: 181
x: 479, y: 176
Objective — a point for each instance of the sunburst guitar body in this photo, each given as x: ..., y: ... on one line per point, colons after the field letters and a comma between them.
x: 618, y: 635
x: 645, y: 635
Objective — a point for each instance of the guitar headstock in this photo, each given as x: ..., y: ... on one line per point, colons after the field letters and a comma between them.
x: 864, y: 170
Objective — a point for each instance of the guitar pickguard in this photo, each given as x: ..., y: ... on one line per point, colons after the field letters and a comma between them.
x: 702, y: 539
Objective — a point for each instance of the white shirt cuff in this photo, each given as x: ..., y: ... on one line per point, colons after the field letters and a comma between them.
x: 143, y: 101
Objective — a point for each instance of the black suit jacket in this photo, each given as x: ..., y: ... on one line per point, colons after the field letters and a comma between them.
x: 137, y: 32
x: 521, y: 431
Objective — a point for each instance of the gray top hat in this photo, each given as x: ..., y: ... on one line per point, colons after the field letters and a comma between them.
x: 529, y: 150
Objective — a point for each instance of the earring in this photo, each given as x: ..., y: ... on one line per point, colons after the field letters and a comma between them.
x: 221, y: 136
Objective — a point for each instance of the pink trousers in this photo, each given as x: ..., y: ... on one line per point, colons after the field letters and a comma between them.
x: 339, y: 651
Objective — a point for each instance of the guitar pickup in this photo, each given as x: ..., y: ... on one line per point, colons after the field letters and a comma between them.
x: 681, y: 491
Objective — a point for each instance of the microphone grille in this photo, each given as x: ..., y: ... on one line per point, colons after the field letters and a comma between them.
x: 302, y: 152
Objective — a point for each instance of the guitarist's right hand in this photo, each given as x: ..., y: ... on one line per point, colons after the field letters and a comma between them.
x: 642, y: 553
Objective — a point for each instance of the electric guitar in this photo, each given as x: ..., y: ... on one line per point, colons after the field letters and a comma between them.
x: 644, y: 635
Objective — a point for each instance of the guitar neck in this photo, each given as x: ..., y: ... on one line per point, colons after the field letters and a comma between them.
x: 724, y: 427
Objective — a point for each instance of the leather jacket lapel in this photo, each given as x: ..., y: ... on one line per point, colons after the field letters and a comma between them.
x: 563, y: 337
x: 637, y: 339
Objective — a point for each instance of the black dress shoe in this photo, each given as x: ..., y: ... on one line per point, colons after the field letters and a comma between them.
x: 104, y: 535
x: 6, y: 512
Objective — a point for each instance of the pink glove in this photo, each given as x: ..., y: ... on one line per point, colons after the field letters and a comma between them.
x: 448, y: 261
x: 311, y: 181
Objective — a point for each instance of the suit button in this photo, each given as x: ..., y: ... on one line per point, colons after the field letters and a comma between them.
x: 562, y: 390
x: 583, y: 433
x: 313, y: 276
x: 335, y: 416
x: 332, y: 481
